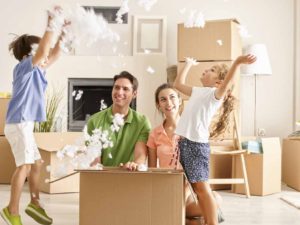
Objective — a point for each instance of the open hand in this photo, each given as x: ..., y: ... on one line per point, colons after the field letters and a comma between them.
x: 191, y: 61
x: 246, y: 59
x: 132, y: 166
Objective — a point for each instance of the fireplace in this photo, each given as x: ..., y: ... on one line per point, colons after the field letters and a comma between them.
x: 87, y: 96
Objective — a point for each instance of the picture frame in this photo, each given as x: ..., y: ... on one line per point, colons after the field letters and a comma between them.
x: 149, y: 35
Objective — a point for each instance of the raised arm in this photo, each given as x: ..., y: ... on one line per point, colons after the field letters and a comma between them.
x: 226, y: 84
x: 43, y: 54
x: 56, y: 51
x: 44, y: 47
x: 179, y: 82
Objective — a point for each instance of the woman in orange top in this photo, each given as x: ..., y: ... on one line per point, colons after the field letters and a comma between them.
x: 162, y: 143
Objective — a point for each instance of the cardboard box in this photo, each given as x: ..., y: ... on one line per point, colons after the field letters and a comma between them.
x: 7, y: 161
x: 291, y: 163
x: 264, y: 170
x: 3, y: 109
x: 117, y: 196
x: 202, y: 43
x: 49, y: 144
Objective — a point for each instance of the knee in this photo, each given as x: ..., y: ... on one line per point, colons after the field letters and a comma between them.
x: 26, y: 168
x: 201, y: 189
x: 38, y: 164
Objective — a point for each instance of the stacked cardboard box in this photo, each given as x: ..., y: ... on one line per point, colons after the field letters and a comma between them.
x: 291, y: 162
x: 218, y: 42
x: 264, y: 170
x: 7, y: 161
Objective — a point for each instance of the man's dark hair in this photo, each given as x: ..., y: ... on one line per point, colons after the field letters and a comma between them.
x: 130, y: 77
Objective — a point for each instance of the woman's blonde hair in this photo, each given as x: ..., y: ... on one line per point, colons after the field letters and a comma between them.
x: 228, y: 105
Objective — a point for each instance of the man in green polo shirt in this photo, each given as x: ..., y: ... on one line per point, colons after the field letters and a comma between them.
x: 130, y: 141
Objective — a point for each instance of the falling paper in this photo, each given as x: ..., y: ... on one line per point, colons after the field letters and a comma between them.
x: 244, y: 32
x: 87, y: 149
x: 79, y: 94
x: 150, y: 70
x: 147, y: 4
x: 103, y: 105
x: 48, y: 168
x: 182, y: 11
x: 220, y: 42
x: 147, y: 51
x: 142, y: 167
x: 123, y: 10
x: 199, y: 20
x: 195, y: 20
x: 85, y: 27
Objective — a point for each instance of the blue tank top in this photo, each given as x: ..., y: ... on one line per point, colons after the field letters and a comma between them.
x: 28, y: 94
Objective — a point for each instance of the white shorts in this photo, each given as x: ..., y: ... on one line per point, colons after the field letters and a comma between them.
x: 21, y: 139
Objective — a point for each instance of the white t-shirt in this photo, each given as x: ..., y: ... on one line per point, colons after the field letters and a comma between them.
x: 197, y: 115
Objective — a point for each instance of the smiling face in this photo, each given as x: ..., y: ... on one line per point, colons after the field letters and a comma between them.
x: 123, y: 93
x: 168, y: 102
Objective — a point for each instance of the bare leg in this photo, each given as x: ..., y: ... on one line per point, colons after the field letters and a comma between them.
x: 33, y: 180
x: 192, y: 208
x: 207, y: 202
x: 17, y: 183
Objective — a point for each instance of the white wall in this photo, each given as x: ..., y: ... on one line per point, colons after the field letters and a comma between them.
x: 270, y: 22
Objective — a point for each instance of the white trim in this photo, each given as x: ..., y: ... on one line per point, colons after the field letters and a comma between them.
x: 5, y: 218
x: 29, y: 208
x: 296, y: 113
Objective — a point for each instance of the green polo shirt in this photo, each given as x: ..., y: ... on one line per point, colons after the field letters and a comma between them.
x: 136, y: 128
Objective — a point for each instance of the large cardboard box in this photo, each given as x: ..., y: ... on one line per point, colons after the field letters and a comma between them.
x: 264, y: 170
x: 117, y: 196
x: 218, y: 40
x: 291, y: 162
x: 7, y: 161
x: 3, y: 110
x: 49, y: 144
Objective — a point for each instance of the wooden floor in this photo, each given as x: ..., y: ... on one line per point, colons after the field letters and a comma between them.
x: 238, y: 210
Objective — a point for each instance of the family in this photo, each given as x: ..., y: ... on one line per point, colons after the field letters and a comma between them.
x: 181, y: 140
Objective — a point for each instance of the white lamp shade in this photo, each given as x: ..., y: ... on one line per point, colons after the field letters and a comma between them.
x: 262, y: 64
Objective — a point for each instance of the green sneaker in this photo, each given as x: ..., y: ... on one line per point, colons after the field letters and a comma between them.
x: 10, y: 219
x: 38, y: 214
